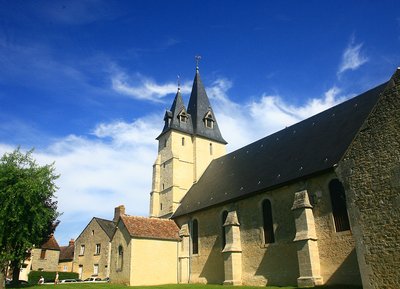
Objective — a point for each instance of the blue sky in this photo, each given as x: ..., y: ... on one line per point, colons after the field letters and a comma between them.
x: 86, y: 83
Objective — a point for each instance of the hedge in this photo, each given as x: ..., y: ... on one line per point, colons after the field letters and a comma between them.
x: 34, y: 276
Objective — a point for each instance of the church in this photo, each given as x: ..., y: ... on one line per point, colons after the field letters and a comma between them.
x: 315, y: 203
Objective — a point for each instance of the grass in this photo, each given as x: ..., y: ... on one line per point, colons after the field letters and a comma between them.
x: 174, y: 286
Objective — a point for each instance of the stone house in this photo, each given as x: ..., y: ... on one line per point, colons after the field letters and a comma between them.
x: 92, y: 247
x: 144, y: 251
x: 65, y: 263
x: 46, y: 257
x: 305, y: 205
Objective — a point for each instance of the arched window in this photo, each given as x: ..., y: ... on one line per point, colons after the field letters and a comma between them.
x: 268, y: 223
x: 223, y: 219
x: 120, y: 260
x: 211, y: 149
x: 195, y: 237
x: 339, y: 208
x: 183, y: 141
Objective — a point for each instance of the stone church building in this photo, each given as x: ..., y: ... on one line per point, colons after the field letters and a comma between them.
x: 315, y: 203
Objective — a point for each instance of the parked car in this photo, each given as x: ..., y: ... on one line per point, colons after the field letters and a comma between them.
x: 68, y: 280
x: 106, y: 279
x: 21, y: 283
x: 93, y: 279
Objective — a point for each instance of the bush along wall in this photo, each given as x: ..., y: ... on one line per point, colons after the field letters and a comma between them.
x: 34, y: 276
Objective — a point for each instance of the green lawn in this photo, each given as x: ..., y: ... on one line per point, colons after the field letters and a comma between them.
x: 181, y: 286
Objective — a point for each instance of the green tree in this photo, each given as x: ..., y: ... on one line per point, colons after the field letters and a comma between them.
x: 28, y: 212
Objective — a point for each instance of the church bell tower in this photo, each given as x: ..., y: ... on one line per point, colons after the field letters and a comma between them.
x: 189, y: 141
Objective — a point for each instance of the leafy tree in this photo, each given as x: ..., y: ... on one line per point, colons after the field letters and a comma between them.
x: 28, y: 212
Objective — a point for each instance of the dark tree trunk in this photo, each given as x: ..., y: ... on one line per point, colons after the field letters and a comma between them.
x: 15, y: 265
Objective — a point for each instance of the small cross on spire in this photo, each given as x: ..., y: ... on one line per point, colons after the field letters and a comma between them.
x: 179, y: 82
x: 197, y: 57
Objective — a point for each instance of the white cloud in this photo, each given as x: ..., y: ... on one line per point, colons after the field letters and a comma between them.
x: 352, y: 58
x: 140, y: 87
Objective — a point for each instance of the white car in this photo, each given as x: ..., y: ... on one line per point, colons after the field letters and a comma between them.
x: 93, y: 279
x: 68, y: 281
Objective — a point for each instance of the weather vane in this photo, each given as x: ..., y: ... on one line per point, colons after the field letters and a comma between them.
x: 197, y: 57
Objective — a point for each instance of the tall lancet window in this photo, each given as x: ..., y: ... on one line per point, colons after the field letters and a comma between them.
x: 339, y: 208
x: 223, y: 231
x: 268, y: 223
x: 195, y: 237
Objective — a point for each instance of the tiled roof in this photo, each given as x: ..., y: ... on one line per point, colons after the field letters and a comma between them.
x: 107, y: 225
x: 152, y: 228
x: 309, y: 147
x: 66, y: 253
x: 51, y: 244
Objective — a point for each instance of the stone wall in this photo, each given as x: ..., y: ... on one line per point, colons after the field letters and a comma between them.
x: 370, y: 172
x: 48, y: 263
x: 93, y: 234
x: 276, y: 263
x: 121, y: 274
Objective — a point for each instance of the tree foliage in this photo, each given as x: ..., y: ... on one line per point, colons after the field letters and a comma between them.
x: 28, y: 211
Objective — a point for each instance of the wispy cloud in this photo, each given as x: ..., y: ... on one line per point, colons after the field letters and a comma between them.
x: 143, y: 88
x: 352, y: 57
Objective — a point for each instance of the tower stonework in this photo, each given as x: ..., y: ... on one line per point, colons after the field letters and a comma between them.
x: 189, y: 141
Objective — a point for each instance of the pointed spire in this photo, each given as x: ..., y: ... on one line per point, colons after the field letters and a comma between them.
x: 177, y: 117
x: 203, y: 118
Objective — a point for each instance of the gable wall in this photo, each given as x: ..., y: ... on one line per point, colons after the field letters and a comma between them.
x: 49, y: 263
x: 121, y: 238
x: 277, y: 263
x: 370, y: 172
x: 88, y: 259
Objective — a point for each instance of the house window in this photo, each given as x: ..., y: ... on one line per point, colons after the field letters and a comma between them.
x: 92, y: 232
x: 223, y: 219
x: 195, y: 237
x: 65, y: 268
x: 160, y: 206
x: 183, y: 141
x: 339, y: 208
x: 82, y: 251
x: 43, y: 254
x: 98, y: 247
x: 268, y: 224
x: 96, y: 269
x: 211, y: 149
x: 120, y: 260
x: 165, y: 143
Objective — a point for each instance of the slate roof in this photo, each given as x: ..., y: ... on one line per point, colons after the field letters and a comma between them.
x: 151, y: 228
x: 107, y: 226
x: 66, y: 253
x: 198, y: 107
x: 51, y: 244
x: 309, y: 147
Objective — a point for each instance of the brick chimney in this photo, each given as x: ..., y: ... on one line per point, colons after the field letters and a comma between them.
x: 71, y: 242
x: 119, y: 211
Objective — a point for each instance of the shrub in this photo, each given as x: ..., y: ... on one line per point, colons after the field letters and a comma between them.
x: 34, y: 276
